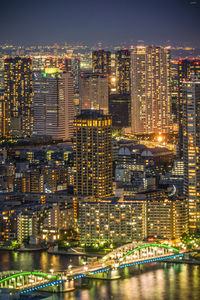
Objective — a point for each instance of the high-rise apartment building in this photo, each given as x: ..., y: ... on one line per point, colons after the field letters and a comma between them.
x: 76, y: 74
x: 1, y: 111
x: 150, y: 90
x: 174, y: 91
x: 26, y: 226
x: 53, y: 104
x: 123, y: 66
x: 101, y: 62
x: 94, y: 91
x: 1, y: 73
x: 191, y: 150
x: 18, y: 97
x: 188, y: 69
x: 93, y: 154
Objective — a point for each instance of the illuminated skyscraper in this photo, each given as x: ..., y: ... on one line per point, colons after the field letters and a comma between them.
x: 174, y: 90
x: 150, y: 90
x: 93, y: 154
x: 53, y: 104
x: 1, y: 73
x: 191, y: 150
x: 18, y: 97
x: 76, y: 74
x: 187, y: 69
x: 94, y: 91
x: 123, y: 65
x: 101, y: 62
x: 1, y: 110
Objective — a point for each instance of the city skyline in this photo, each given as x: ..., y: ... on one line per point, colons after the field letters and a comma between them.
x: 157, y: 22
x: 100, y: 149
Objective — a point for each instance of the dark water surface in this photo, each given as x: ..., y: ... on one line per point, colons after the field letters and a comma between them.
x: 151, y: 281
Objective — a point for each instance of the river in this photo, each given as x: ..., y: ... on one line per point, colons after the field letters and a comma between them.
x: 155, y: 281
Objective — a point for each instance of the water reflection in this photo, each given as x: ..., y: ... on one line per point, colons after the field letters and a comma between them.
x: 155, y: 281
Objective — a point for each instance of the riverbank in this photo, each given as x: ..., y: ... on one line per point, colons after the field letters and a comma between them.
x: 53, y: 252
x: 39, y: 249
x: 72, y: 252
x: 31, y: 249
x: 183, y: 261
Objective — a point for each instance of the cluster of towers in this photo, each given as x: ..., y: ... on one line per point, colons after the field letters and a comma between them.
x: 143, y: 82
x: 35, y: 102
x: 133, y: 90
x: 138, y: 86
x: 134, y: 87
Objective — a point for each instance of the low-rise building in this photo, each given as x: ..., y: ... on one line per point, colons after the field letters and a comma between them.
x: 110, y: 221
x: 152, y: 213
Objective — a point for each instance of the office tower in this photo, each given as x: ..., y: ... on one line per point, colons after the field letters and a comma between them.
x: 187, y: 69
x: 123, y: 65
x: 191, y: 150
x: 93, y: 154
x: 150, y: 93
x: 53, y: 104
x: 120, y: 109
x: 18, y: 97
x: 101, y: 62
x: 94, y: 91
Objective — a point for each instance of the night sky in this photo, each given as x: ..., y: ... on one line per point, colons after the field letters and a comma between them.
x: 87, y: 21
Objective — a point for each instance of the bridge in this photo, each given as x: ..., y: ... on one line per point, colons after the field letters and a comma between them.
x: 107, y: 267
